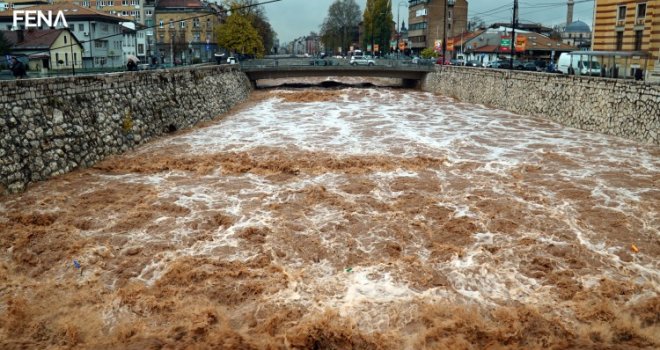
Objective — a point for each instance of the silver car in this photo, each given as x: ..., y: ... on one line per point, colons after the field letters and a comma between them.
x: 362, y: 61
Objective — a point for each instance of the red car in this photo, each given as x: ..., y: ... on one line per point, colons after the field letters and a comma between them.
x: 447, y: 62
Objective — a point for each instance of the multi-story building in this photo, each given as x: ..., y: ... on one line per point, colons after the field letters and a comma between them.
x: 184, y: 31
x: 427, y: 25
x: 632, y: 29
x: 130, y: 10
x: 99, y: 33
x: 6, y: 5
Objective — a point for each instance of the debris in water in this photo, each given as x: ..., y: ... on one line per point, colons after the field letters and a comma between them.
x: 634, y: 248
x: 350, y: 269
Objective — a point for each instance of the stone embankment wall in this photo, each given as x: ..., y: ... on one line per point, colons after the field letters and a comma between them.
x: 627, y: 109
x: 52, y: 126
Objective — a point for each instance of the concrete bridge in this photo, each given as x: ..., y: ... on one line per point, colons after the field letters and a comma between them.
x: 410, y: 75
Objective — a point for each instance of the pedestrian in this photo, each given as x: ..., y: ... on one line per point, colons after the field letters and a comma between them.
x: 17, y: 68
x: 131, y: 65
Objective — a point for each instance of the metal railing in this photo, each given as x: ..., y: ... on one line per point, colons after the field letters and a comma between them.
x: 379, y: 63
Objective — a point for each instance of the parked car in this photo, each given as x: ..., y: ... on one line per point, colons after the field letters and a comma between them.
x: 231, y: 60
x: 362, y: 61
x: 500, y: 65
x: 473, y: 64
x: 446, y: 62
x: 530, y: 66
x: 455, y: 62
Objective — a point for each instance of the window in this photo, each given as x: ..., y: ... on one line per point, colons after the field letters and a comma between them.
x: 65, y: 39
x: 417, y: 26
x: 161, y: 24
x: 57, y: 57
x: 75, y: 57
x: 81, y: 27
x: 619, y: 41
x: 66, y: 58
x: 124, y: 2
x: 621, y: 16
x: 183, y: 24
x: 148, y: 13
x: 641, y: 10
x: 171, y: 23
x: 135, y: 2
x: 639, y: 34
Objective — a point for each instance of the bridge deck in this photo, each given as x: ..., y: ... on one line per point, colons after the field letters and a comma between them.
x: 269, y: 69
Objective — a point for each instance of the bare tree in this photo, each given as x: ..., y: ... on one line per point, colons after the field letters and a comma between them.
x: 340, y: 27
x: 476, y: 23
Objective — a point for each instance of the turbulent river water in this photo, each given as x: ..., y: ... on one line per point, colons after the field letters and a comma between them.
x: 369, y: 218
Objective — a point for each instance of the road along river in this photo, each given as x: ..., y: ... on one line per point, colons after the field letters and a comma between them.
x: 365, y: 218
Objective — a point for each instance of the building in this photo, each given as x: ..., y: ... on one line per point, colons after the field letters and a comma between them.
x: 630, y: 31
x: 6, y: 5
x: 185, y: 31
x: 48, y: 49
x: 129, y: 10
x: 487, y: 46
x: 99, y: 33
x: 577, y: 34
x: 426, y: 19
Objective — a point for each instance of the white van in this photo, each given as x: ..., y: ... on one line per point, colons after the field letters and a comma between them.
x: 574, y: 63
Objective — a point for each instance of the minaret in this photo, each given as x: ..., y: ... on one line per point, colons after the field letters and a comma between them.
x: 569, y: 12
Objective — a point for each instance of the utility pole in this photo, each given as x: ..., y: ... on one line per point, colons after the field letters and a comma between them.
x: 514, y: 23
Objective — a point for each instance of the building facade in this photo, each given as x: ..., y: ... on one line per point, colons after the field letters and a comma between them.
x: 577, y: 34
x: 185, y: 31
x: 48, y: 49
x: 629, y: 26
x: 99, y: 33
x: 426, y: 21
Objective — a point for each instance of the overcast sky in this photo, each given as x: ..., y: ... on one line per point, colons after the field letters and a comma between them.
x: 294, y: 18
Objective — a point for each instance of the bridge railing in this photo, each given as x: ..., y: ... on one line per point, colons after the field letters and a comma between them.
x: 302, y: 62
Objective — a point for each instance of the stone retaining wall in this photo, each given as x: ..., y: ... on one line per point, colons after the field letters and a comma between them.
x: 627, y: 109
x: 52, y: 126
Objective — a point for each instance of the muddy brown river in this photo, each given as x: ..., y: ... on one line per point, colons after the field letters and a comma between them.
x: 355, y: 218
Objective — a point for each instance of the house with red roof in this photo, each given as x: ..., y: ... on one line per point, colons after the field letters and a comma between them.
x: 48, y: 49
x: 488, y: 46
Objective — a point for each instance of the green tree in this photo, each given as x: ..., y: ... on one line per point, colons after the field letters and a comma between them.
x: 378, y: 24
x: 238, y: 35
x: 429, y: 52
x: 257, y: 16
x: 340, y: 27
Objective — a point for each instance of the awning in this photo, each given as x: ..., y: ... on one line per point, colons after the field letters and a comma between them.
x: 38, y: 56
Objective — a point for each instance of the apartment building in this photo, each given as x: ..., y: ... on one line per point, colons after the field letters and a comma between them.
x: 100, y: 34
x: 427, y: 25
x: 184, y: 31
x: 630, y: 28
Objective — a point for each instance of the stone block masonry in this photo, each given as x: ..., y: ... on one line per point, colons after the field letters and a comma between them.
x: 52, y: 126
x: 621, y: 108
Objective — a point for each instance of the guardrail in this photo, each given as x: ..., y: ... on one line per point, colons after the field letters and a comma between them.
x: 306, y: 62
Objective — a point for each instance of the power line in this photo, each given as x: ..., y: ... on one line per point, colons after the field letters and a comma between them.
x: 155, y: 25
